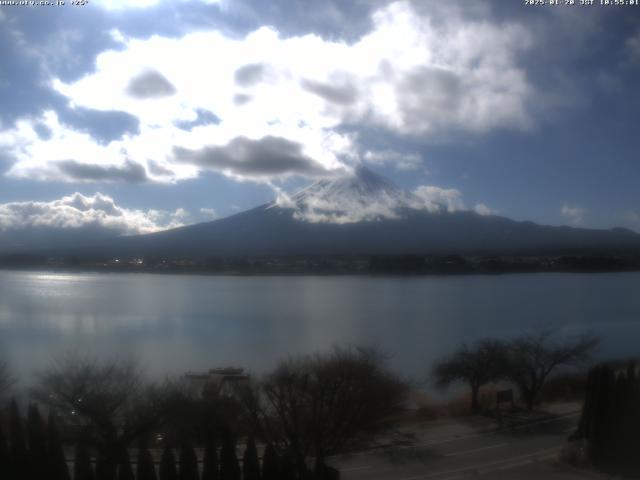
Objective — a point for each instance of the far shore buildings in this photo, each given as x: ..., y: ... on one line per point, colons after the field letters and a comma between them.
x: 218, y: 381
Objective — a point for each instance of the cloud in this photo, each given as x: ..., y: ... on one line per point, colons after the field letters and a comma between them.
x: 414, y: 73
x: 344, y: 213
x: 574, y: 214
x: 361, y: 195
x: 130, y: 172
x: 158, y: 170
x: 78, y: 211
x: 243, y: 157
x: 342, y: 207
x: 439, y: 73
x: 241, y: 98
x: 150, y: 85
x: 251, y: 74
x: 436, y: 199
x: 209, y: 213
x: 402, y: 161
x: 70, y: 155
x: 339, y: 94
x: 482, y: 209
x: 430, y: 96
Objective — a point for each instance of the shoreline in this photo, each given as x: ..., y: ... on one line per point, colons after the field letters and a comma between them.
x: 284, y: 272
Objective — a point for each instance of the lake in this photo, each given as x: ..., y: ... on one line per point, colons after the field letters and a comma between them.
x: 176, y: 323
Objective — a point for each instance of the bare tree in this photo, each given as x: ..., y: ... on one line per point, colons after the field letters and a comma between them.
x: 107, y: 400
x: 191, y: 415
x: 319, y: 405
x: 476, y: 365
x: 533, y: 357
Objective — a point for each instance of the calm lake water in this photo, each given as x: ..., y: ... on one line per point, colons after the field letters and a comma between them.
x: 175, y: 323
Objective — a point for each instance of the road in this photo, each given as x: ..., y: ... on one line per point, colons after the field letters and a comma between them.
x: 523, y: 453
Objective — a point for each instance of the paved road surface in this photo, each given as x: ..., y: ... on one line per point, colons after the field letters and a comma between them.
x: 523, y: 453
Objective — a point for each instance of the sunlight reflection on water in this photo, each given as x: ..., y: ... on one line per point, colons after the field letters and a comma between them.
x: 175, y: 323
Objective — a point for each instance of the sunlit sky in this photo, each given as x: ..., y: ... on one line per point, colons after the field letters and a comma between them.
x: 142, y: 115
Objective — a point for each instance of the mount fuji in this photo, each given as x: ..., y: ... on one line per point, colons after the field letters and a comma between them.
x: 359, y: 197
x: 362, y: 214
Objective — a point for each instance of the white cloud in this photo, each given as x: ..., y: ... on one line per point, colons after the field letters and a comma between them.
x: 436, y: 199
x: 574, y: 214
x: 361, y: 195
x: 65, y: 151
x: 343, y: 210
x: 412, y: 74
x: 351, y: 206
x: 209, y: 213
x: 482, y: 209
x: 78, y: 211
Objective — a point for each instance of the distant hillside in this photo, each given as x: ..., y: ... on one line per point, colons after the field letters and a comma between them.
x: 359, y: 215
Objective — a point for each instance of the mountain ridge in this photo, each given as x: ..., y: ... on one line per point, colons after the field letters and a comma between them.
x: 363, y: 214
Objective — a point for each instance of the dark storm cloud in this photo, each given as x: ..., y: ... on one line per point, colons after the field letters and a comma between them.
x: 339, y: 94
x: 250, y: 74
x: 269, y: 156
x: 130, y: 172
x: 150, y: 85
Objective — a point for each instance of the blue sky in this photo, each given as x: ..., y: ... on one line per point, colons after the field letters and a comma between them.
x: 142, y: 115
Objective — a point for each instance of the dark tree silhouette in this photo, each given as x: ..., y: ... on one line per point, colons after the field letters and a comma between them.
x: 188, y: 462
x: 610, y: 419
x: 533, y: 357
x: 321, y: 405
x: 287, y: 469
x: 476, y: 365
x: 4, y: 456
x: 37, y: 437
x: 106, y: 466
x: 210, y: 467
x: 58, y: 469
x: 270, y: 464
x: 327, y: 473
x: 250, y: 463
x: 125, y: 472
x: 108, y: 399
x: 146, y: 470
x: 168, y: 469
x: 19, y: 462
x: 82, y: 469
x: 229, y: 467
x: 195, y: 413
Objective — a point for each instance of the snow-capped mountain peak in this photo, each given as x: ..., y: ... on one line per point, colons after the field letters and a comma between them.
x: 360, y: 196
